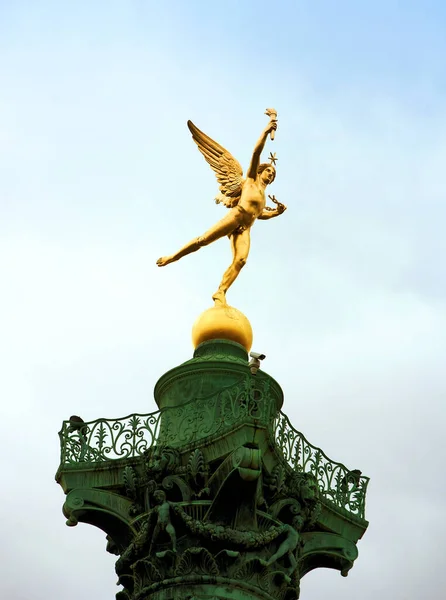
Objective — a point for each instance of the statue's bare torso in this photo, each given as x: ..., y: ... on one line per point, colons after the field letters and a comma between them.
x: 163, y: 511
x: 252, y: 201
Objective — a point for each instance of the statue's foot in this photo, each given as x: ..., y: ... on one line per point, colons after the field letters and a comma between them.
x: 219, y: 298
x: 164, y: 260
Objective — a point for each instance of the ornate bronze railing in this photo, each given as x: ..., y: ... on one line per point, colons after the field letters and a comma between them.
x: 247, y: 400
x: 345, y: 488
x: 108, y: 439
x: 105, y: 439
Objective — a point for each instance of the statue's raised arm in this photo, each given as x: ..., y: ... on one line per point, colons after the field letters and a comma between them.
x: 244, y: 197
x: 255, y: 160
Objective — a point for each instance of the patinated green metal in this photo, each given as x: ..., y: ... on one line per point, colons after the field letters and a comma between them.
x: 132, y: 436
x: 215, y: 495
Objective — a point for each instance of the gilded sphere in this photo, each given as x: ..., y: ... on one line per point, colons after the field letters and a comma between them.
x: 222, y: 323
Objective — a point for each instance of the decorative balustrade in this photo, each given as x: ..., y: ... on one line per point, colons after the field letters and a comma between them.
x: 106, y: 439
x: 177, y: 426
x: 345, y: 488
x: 245, y: 401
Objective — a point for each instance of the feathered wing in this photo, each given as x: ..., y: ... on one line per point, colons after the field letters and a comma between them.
x: 227, y: 169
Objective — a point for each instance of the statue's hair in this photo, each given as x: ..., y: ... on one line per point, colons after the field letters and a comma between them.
x: 263, y: 166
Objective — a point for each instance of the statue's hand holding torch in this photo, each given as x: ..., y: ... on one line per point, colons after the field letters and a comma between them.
x: 272, y: 114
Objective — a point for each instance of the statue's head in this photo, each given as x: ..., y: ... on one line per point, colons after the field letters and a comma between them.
x: 298, y: 522
x: 267, y: 173
x: 309, y: 489
x: 159, y: 497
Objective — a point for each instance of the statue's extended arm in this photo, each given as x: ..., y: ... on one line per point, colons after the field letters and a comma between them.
x: 269, y: 213
x: 255, y: 160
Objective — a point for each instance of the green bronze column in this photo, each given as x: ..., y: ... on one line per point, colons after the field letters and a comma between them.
x: 215, y: 495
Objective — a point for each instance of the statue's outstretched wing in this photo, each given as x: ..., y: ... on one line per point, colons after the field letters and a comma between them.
x: 227, y: 169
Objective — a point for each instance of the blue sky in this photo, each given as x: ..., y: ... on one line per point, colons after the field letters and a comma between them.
x: 345, y: 291
x: 363, y: 42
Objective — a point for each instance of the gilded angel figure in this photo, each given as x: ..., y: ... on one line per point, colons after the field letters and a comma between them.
x: 245, y: 199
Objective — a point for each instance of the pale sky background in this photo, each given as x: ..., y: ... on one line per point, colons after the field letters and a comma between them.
x: 345, y: 292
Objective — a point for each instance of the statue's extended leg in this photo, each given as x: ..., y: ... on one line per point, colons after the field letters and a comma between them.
x: 224, y: 227
x: 173, y: 537
x: 154, y: 537
x: 240, y: 243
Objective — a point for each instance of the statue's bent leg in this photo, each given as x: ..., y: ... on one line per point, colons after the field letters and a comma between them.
x: 155, y: 536
x: 224, y: 227
x: 240, y: 243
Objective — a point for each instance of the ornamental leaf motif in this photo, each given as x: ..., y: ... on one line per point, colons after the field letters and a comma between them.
x: 195, y: 464
x: 100, y: 435
x: 145, y: 571
x: 197, y: 560
x: 130, y: 482
x: 254, y: 569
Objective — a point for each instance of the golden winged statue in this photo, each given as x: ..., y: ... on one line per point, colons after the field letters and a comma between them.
x: 245, y: 199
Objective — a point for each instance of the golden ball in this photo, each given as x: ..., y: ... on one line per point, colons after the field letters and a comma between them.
x: 222, y: 323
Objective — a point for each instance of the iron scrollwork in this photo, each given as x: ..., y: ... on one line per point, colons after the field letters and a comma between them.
x: 104, y: 439
x: 345, y: 488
